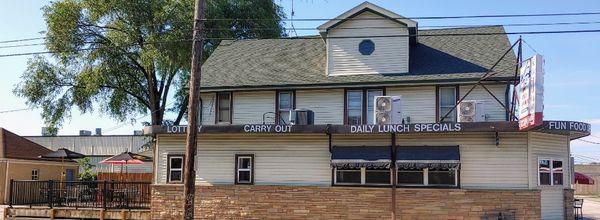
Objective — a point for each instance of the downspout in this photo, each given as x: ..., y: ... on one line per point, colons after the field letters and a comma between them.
x: 393, y: 175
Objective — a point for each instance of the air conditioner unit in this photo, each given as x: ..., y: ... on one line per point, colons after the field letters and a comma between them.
x: 302, y: 117
x: 387, y: 110
x: 471, y: 111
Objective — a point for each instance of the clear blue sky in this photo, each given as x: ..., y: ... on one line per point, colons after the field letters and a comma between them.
x: 572, y: 61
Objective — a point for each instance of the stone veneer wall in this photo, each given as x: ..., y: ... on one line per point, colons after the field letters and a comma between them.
x: 311, y: 202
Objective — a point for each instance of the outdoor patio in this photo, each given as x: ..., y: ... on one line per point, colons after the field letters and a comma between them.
x: 81, y: 194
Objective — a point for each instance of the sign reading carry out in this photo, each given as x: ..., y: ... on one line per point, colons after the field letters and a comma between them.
x: 531, y: 93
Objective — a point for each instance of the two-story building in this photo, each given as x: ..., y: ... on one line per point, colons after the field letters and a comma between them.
x: 251, y: 163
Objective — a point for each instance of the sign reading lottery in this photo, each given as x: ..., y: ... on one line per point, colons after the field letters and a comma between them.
x: 531, y: 93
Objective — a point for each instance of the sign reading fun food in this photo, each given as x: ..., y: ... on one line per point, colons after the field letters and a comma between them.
x: 531, y: 93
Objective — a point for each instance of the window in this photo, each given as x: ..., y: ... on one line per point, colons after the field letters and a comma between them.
x: 411, y: 177
x: 362, y: 176
x: 285, y: 103
x: 427, y: 177
x: 550, y: 171
x: 354, y: 107
x: 35, y: 174
x: 371, y: 93
x: 447, y: 97
x: 356, y: 113
x: 366, y: 47
x: 244, y: 169
x: 377, y: 176
x: 175, y: 168
x: 224, y: 104
x: 348, y: 176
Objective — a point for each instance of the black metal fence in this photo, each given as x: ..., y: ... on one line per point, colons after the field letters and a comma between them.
x: 80, y: 194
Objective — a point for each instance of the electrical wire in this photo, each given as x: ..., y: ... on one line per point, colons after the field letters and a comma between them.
x: 587, y: 141
x: 337, y: 37
x: 14, y: 110
x: 353, y: 28
x: 418, y: 17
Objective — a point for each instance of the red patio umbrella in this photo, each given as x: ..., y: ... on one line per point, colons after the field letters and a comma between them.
x: 126, y: 158
x: 581, y: 178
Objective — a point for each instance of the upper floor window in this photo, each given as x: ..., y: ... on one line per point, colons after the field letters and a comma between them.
x: 358, y: 109
x: 550, y: 171
x: 447, y: 97
x: 366, y: 47
x: 285, y: 103
x: 224, y: 107
x: 35, y: 174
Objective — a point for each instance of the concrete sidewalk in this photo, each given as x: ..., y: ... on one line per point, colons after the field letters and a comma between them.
x: 591, y: 207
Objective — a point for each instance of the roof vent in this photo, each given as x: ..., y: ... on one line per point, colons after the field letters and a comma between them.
x: 85, y: 133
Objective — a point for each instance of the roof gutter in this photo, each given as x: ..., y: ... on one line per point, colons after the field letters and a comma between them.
x: 464, y: 81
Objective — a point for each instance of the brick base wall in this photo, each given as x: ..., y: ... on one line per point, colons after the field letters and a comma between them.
x: 569, y: 198
x: 308, y: 202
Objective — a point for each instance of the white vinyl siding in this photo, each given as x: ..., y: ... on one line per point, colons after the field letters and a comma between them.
x: 278, y: 159
x: 249, y: 107
x: 208, y: 108
x: 552, y: 202
x: 553, y: 146
x: 494, y: 111
x: 418, y: 103
x: 483, y: 164
x: 390, y: 55
x: 327, y: 104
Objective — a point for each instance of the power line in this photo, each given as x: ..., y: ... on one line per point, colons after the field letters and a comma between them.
x: 354, y: 28
x: 21, y: 40
x: 337, y: 37
x: 418, y: 17
x: 586, y: 141
x: 14, y: 110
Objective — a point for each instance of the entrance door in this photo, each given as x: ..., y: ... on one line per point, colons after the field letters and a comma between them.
x: 70, y: 175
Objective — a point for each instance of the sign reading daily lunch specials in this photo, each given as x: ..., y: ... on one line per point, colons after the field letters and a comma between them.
x: 531, y: 93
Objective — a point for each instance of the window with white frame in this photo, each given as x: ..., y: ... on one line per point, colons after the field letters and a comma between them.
x: 550, y: 171
x: 224, y: 106
x: 447, y: 97
x: 362, y: 176
x: 175, y: 168
x: 244, y: 172
x: 428, y: 177
x: 35, y: 174
x: 284, y: 106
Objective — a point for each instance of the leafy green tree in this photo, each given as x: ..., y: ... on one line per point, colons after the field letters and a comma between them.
x: 87, y: 173
x: 129, y: 57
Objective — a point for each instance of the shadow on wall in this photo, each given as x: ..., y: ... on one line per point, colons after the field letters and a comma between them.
x: 438, y: 62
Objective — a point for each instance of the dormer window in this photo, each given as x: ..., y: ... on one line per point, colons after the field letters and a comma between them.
x: 366, y: 47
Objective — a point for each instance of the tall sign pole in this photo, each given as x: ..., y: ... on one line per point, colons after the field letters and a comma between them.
x: 194, y: 100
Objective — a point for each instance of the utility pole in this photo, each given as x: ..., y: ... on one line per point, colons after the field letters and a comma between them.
x: 191, y: 145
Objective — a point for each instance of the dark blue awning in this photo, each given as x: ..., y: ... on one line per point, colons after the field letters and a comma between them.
x: 433, y: 157
x: 350, y: 157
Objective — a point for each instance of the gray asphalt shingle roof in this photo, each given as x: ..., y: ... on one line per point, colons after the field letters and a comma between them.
x: 302, y: 62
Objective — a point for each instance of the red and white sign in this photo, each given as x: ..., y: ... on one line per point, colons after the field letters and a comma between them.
x: 531, y: 93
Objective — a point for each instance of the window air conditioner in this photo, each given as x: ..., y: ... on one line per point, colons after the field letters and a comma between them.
x: 302, y: 117
x: 471, y: 111
x: 387, y: 110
